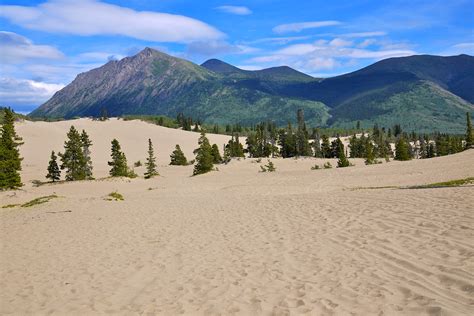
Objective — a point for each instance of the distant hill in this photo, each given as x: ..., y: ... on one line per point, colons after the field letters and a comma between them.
x: 17, y: 115
x: 423, y: 93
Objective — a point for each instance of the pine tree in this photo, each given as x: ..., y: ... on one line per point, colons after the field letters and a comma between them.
x: 469, y: 132
x: 86, y: 144
x: 54, y: 173
x: 150, y: 163
x: 10, y: 160
x: 178, y: 158
x: 402, y: 152
x: 73, y: 159
x: 369, y: 153
x: 342, y: 159
x: 216, y: 155
x: 302, y: 145
x: 119, y: 161
x: 204, y: 158
x: 234, y: 148
x: 325, y: 147
x: 431, y: 150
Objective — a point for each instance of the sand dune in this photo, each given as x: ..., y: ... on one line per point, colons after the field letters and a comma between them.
x: 235, y: 241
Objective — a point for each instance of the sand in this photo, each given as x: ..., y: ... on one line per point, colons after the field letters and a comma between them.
x: 235, y: 241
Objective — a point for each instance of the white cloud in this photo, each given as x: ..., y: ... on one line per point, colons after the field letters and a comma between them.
x: 214, y: 48
x: 364, y: 34
x: 298, y: 27
x: 238, y: 10
x: 100, y: 56
x: 91, y: 17
x: 367, y: 42
x: 17, y: 48
x: 319, y: 63
x: 338, y: 42
x: 325, y: 55
x: 464, y: 45
x: 279, y: 40
x: 18, y: 92
x: 297, y: 49
x: 460, y: 48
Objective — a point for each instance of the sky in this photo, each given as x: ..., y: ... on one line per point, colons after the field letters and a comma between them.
x: 45, y: 44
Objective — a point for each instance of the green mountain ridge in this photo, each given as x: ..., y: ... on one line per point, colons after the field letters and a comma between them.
x: 434, y: 90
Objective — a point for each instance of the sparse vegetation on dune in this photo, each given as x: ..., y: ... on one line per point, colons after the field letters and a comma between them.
x: 40, y: 200
x: 445, y: 184
x: 115, y: 196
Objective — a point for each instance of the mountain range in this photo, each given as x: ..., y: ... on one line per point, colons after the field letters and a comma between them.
x: 422, y: 93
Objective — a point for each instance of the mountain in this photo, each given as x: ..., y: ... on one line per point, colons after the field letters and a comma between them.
x: 422, y: 93
x: 152, y: 83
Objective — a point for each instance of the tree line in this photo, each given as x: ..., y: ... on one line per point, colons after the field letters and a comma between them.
x: 265, y: 140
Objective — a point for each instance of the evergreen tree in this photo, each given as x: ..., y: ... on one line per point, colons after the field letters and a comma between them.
x: 302, y: 145
x: 204, y: 158
x: 10, y: 160
x: 234, y: 148
x: 54, y: 173
x: 150, y: 163
x: 73, y: 159
x: 287, y: 142
x: 402, y: 152
x: 431, y: 150
x: 325, y: 147
x: 86, y: 144
x: 178, y: 158
x: 342, y: 159
x: 258, y: 143
x: 216, y: 155
x: 369, y: 153
x: 469, y: 132
x: 441, y: 145
x: 119, y: 161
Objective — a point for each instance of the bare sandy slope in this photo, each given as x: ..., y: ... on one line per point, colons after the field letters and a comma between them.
x: 235, y: 241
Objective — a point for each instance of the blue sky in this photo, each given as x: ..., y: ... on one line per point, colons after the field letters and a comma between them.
x: 45, y: 44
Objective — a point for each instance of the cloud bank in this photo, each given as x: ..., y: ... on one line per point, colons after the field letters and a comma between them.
x: 22, y: 92
x: 298, y: 27
x: 91, y: 17
x: 16, y: 48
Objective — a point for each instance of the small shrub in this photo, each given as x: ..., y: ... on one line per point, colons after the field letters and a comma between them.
x: 327, y: 165
x: 315, y: 167
x: 10, y: 205
x: 270, y: 167
x: 137, y: 164
x: 39, y: 200
x: 259, y: 160
x: 115, y: 196
x: 131, y: 174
